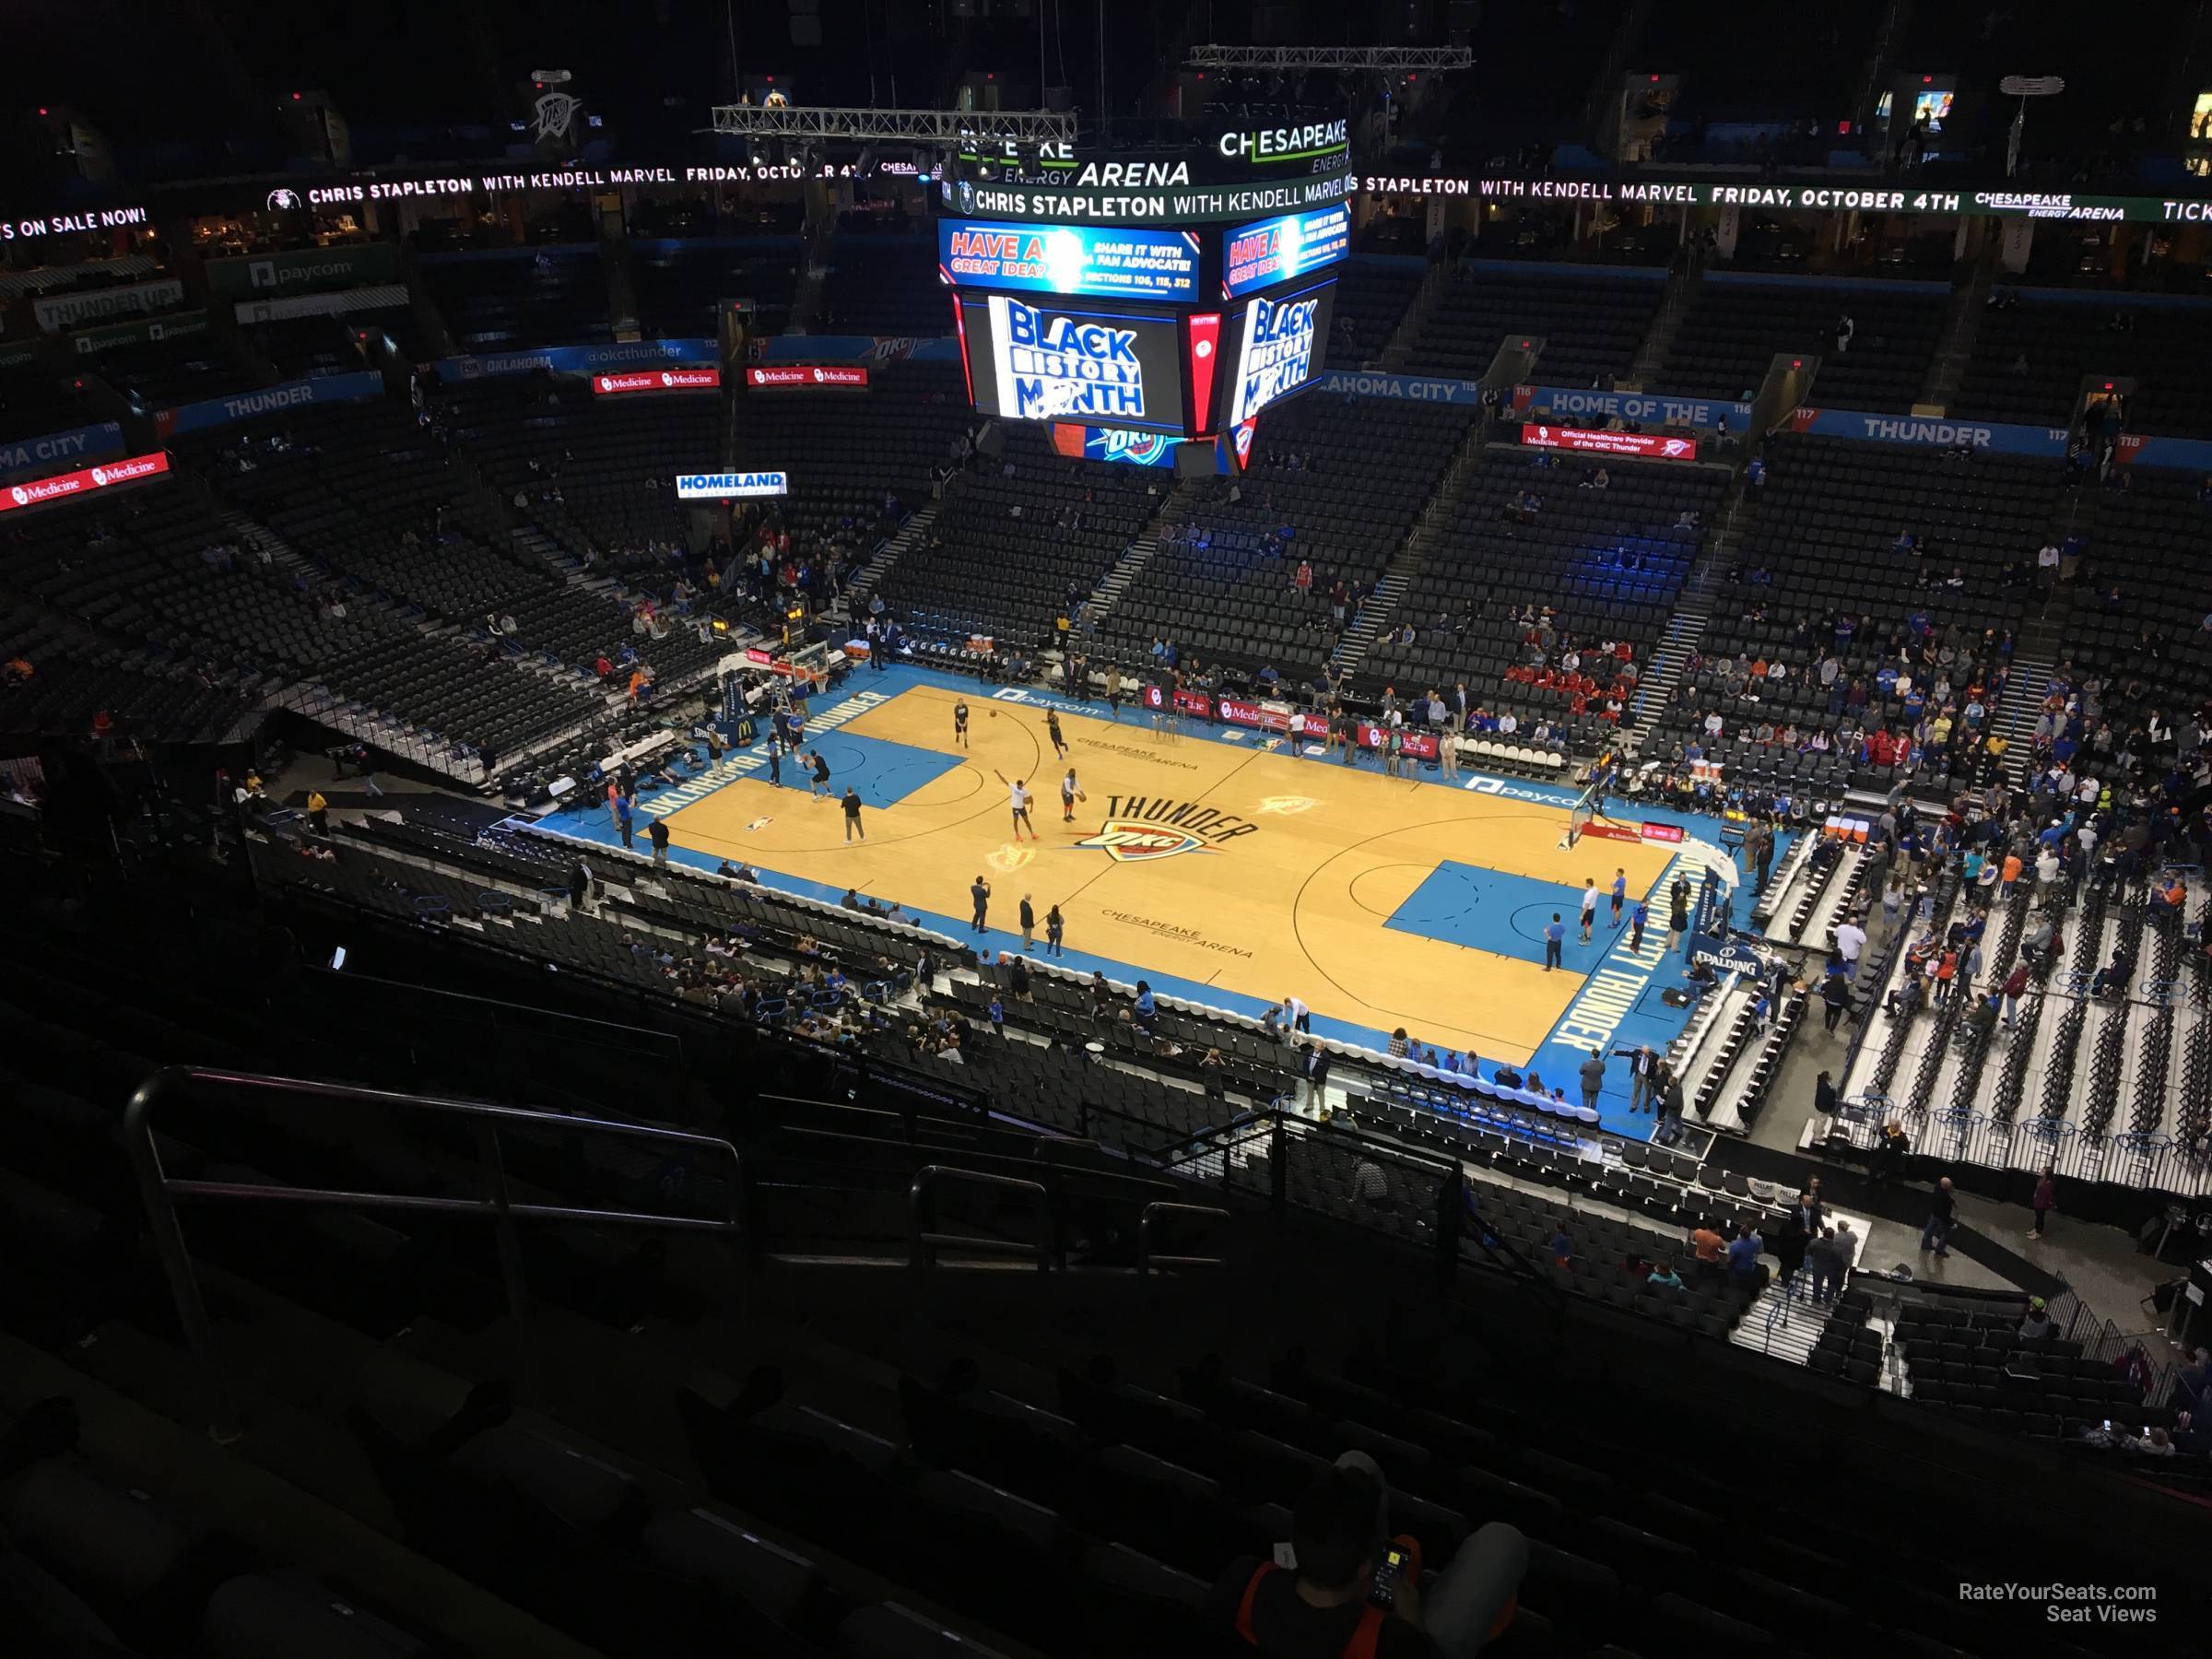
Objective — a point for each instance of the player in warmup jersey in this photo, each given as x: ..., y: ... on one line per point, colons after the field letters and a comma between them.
x: 1070, y: 792
x: 1052, y: 728
x: 1018, y: 800
x: 821, y: 774
x: 960, y: 723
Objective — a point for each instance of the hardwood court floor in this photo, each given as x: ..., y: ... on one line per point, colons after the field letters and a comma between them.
x: 1237, y: 869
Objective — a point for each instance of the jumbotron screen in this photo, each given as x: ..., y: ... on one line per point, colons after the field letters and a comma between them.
x: 1278, y: 343
x: 1060, y: 360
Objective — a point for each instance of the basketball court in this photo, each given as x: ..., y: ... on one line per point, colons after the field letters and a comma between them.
x: 1217, y: 864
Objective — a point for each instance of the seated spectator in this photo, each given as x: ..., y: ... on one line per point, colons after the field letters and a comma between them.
x: 1663, y: 1277
x: 1325, y: 1603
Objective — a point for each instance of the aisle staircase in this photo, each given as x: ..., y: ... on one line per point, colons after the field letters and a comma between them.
x: 1397, y: 351
x: 1782, y: 1321
x: 1173, y: 506
x: 1674, y: 305
x: 1961, y: 328
x: 1427, y: 532
x: 911, y: 534
x: 1685, y: 629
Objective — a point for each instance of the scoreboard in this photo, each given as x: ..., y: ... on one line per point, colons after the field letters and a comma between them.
x: 1167, y: 331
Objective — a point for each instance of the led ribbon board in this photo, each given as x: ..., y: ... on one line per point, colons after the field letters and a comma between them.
x: 1103, y: 264
x: 1283, y: 249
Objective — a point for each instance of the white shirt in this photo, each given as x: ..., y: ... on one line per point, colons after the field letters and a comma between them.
x: 1294, y: 1010
x: 1589, y: 900
x: 1851, y: 939
x: 1067, y: 787
x: 1018, y: 797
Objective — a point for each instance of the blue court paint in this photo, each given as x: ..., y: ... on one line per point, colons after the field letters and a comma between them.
x: 882, y: 773
x: 1504, y: 914
x: 1619, y: 999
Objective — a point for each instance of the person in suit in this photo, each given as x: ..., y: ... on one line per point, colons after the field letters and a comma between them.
x: 1790, y: 1241
x: 1313, y: 1075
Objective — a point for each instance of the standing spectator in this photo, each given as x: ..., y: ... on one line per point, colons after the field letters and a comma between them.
x: 1593, y: 1078
x: 1313, y: 1075
x: 1637, y: 918
x: 1677, y: 920
x: 657, y: 833
x: 1054, y: 925
x: 1743, y: 1257
x: 365, y: 758
x: 851, y: 805
x: 1029, y: 925
x: 980, y: 891
x: 1643, y: 1073
x: 1835, y: 996
x: 1824, y: 1096
x: 318, y: 812
x: 625, y: 813
x: 1850, y: 939
x: 1555, y: 936
x: 1943, y: 1210
x: 1791, y: 1242
x: 2043, y: 1203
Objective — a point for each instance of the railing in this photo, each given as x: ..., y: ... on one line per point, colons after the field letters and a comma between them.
x: 1148, y: 1259
x: 160, y: 1190
x: 924, y: 1242
x: 506, y: 1017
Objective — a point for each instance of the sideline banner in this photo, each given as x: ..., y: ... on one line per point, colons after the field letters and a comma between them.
x: 270, y: 400
x: 2187, y: 455
x: 1649, y: 445
x: 37, y: 491
x: 727, y: 486
x: 352, y: 264
x: 83, y: 444
x: 1565, y: 405
x: 578, y: 359
x: 817, y: 374
x: 177, y: 325
x: 859, y: 349
x: 657, y: 379
x: 94, y: 305
x: 1994, y: 436
x: 1420, y: 388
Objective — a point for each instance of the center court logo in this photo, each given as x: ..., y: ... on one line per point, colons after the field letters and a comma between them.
x: 1146, y: 829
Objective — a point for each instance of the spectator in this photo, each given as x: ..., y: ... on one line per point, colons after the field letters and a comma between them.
x: 1743, y: 1256
x: 2044, y: 1201
x: 2036, y: 1327
x: 1663, y: 1276
x: 1323, y: 1604
x: 1593, y: 1079
x: 1559, y: 1245
x: 1707, y: 1245
x: 1943, y: 1210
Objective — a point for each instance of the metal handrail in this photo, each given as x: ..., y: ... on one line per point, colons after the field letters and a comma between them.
x: 1146, y: 1261
x: 922, y: 1245
x: 572, y: 1026
x: 159, y: 1191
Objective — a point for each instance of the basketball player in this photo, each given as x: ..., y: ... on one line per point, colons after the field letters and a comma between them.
x: 1589, y: 906
x: 1018, y: 800
x: 960, y: 723
x: 1070, y: 792
x: 821, y: 774
x: 1051, y: 729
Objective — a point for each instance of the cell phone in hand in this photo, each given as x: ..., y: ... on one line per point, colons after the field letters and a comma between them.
x: 1383, y: 1592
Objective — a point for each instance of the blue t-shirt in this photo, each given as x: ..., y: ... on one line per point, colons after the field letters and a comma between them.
x: 1743, y: 1255
x: 1620, y: 886
x: 1145, y: 1004
x: 1555, y: 931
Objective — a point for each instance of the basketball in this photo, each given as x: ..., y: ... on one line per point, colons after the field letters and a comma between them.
x: 994, y: 714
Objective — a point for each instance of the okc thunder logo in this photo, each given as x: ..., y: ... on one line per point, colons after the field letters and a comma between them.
x: 1126, y: 841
